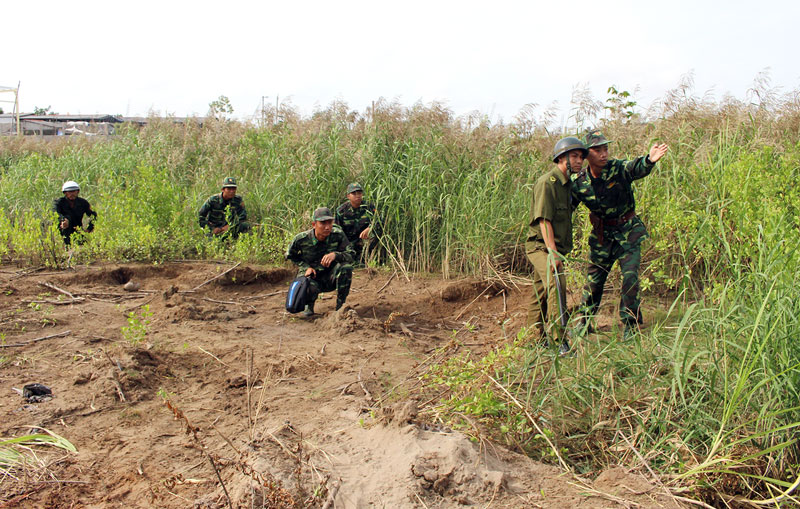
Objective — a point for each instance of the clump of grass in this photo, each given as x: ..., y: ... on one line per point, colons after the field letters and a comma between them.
x: 25, y: 459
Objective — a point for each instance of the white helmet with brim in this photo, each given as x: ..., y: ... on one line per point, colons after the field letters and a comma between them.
x: 69, y: 185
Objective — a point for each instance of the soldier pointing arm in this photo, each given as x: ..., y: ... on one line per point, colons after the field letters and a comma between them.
x: 617, y: 232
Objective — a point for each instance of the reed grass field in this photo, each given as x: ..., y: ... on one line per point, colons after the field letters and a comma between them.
x: 707, y: 399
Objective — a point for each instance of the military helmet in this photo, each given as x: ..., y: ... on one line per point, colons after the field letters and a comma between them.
x: 228, y: 182
x: 355, y: 186
x: 322, y: 214
x: 70, y: 185
x: 595, y: 138
x: 564, y: 145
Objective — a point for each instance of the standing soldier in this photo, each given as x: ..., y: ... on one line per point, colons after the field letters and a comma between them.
x: 617, y: 232
x: 224, y: 212
x: 550, y: 240
x: 357, y: 220
x: 324, y: 255
x: 70, y: 209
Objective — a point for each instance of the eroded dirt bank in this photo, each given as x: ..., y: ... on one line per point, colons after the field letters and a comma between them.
x: 265, y: 396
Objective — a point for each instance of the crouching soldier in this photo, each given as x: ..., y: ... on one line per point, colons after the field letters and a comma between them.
x: 358, y: 220
x: 324, y: 255
x: 70, y: 209
x: 224, y: 213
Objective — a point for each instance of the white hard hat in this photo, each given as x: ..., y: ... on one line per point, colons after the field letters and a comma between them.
x: 69, y: 185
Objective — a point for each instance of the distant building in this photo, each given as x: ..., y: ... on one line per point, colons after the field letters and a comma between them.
x: 59, y: 125
x: 72, y: 125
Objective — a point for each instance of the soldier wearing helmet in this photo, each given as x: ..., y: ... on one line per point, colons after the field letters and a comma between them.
x: 617, y: 232
x: 550, y: 237
x: 224, y: 213
x: 70, y: 209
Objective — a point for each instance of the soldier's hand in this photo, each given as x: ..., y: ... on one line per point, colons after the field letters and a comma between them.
x: 64, y: 224
x: 558, y: 265
x: 328, y: 259
x: 310, y: 272
x: 224, y: 228
x: 657, y: 151
x: 365, y: 233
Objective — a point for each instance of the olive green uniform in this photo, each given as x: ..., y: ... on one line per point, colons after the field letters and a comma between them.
x: 551, y: 201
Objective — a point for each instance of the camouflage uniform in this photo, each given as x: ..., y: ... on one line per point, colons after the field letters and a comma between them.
x: 617, y: 232
x: 307, y: 251
x: 354, y: 221
x: 74, y: 214
x: 216, y: 212
x: 551, y: 201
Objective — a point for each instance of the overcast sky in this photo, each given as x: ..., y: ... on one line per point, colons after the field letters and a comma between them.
x: 493, y: 56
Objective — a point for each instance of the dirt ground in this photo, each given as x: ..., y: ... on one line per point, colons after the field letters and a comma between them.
x: 269, y: 406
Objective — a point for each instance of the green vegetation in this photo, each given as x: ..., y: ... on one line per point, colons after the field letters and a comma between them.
x: 19, y: 454
x: 707, y: 397
x: 138, y: 326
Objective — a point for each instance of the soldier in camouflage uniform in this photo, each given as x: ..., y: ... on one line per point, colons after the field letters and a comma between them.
x: 358, y: 220
x: 323, y: 254
x: 550, y: 240
x: 617, y: 232
x: 224, y: 213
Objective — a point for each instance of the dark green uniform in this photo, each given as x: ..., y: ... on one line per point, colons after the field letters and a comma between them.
x: 551, y: 201
x: 73, y: 212
x: 354, y: 221
x: 216, y: 213
x: 307, y: 251
x: 617, y: 233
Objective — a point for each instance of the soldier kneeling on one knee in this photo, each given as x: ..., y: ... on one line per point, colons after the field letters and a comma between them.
x: 324, y: 255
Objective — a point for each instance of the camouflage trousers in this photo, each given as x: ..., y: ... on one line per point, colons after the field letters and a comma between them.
x: 337, y: 277
x: 544, y: 311
x: 627, y: 250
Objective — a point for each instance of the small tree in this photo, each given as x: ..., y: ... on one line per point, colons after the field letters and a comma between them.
x: 220, y: 108
x: 42, y: 111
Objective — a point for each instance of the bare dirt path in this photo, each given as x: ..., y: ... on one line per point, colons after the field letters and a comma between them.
x: 279, y: 408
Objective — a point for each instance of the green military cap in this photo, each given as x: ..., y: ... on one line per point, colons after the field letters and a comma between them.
x: 229, y: 182
x: 355, y: 186
x: 322, y: 214
x: 595, y: 138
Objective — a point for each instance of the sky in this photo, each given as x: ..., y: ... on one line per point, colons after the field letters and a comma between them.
x: 491, y: 56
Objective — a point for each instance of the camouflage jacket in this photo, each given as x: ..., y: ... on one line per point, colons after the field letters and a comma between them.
x: 610, y: 196
x: 354, y: 221
x: 214, y: 212
x: 307, y: 251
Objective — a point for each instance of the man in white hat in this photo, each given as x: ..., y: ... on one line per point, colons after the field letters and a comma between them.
x: 70, y: 209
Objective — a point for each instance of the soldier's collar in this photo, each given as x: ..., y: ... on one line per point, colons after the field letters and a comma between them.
x: 559, y: 175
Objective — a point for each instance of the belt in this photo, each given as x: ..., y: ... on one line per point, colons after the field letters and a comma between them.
x: 599, y: 224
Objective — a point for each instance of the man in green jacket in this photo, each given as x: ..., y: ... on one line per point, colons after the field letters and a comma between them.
x: 550, y: 240
x: 617, y: 232
x: 224, y: 213
x: 324, y: 255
